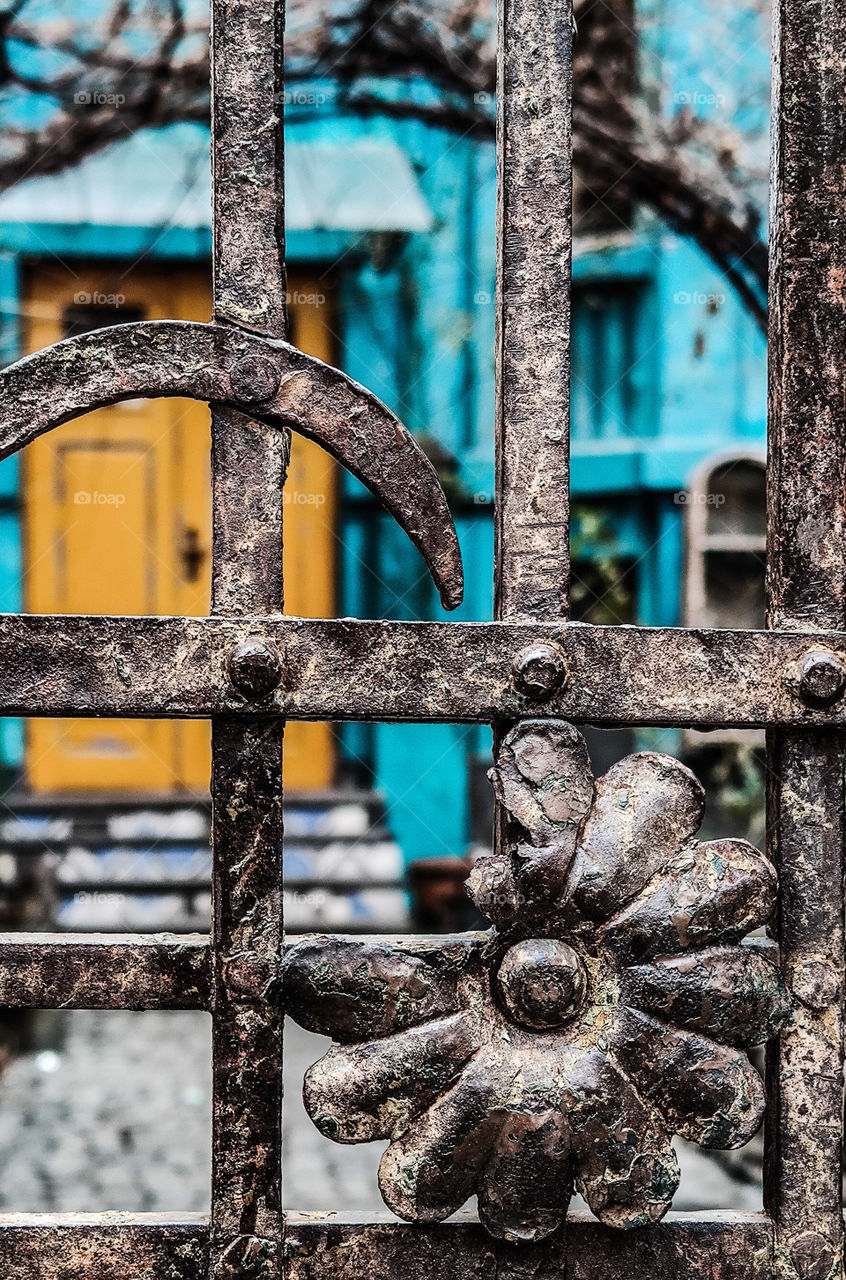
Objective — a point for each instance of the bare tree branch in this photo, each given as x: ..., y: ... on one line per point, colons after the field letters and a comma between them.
x: 683, y: 168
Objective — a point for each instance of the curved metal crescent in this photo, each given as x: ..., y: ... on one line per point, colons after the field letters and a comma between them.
x: 269, y: 380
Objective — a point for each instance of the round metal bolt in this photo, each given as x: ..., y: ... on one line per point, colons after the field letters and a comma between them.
x: 541, y: 982
x: 812, y: 1256
x: 822, y: 678
x: 539, y: 670
x: 254, y: 667
x: 254, y: 378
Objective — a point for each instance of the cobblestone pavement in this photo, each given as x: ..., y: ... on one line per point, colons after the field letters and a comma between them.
x: 114, y: 1113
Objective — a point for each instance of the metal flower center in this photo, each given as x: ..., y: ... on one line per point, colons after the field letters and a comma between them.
x: 542, y: 982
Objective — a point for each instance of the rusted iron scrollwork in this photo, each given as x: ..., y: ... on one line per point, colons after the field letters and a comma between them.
x: 609, y: 1008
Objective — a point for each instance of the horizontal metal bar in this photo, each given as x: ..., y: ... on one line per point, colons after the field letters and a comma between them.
x: 152, y: 971
x: 135, y: 971
x: 342, y: 1247
x: 396, y: 671
x: 683, y: 1246
x: 107, y: 1246
x: 116, y: 971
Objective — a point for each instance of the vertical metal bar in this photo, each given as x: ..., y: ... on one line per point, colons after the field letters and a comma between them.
x: 247, y: 165
x: 249, y: 463
x: 534, y: 249
x: 535, y: 199
x: 807, y: 589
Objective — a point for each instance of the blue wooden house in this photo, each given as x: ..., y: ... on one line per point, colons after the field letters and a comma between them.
x: 391, y: 260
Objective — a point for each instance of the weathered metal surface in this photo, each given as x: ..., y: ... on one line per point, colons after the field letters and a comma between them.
x: 248, y: 189
x: 254, y: 668
x: 611, y: 1004
x: 249, y: 466
x: 107, y: 1246
x: 206, y: 362
x: 342, y: 1247
x: 601, y: 1015
x: 534, y: 233
x: 247, y: 1032
x: 806, y: 581
x: 361, y: 670
x: 73, y: 971
x: 805, y: 1069
x: 719, y: 1246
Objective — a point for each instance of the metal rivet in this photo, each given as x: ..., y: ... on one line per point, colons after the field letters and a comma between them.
x: 539, y: 670
x: 812, y: 1256
x: 254, y: 667
x: 254, y: 378
x: 822, y: 678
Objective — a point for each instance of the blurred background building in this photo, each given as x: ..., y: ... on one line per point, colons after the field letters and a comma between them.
x: 104, y: 218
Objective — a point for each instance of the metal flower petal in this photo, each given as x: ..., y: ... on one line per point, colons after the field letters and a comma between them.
x: 527, y: 1181
x: 714, y: 892
x: 374, y: 1090
x: 608, y: 1009
x: 626, y: 1168
x: 647, y: 807
x: 702, y: 1090
x: 434, y: 1167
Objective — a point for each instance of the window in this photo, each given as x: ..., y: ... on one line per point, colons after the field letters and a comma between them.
x: 725, y: 539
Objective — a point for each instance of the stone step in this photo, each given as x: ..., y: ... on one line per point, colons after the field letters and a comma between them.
x: 146, y: 867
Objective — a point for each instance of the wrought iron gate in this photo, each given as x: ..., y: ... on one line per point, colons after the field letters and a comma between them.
x: 249, y: 669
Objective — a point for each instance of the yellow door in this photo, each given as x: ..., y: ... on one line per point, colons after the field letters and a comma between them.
x: 117, y: 521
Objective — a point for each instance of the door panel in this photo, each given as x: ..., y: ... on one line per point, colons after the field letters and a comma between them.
x: 309, y: 536
x: 117, y: 521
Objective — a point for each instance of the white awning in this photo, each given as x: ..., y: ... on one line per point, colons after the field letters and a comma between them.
x: 161, y: 178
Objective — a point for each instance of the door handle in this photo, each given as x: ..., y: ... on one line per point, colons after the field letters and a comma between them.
x: 191, y: 553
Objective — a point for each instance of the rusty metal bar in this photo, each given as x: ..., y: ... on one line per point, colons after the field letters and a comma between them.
x: 341, y: 1247
x: 107, y: 1246
x: 807, y: 588
x: 247, y: 170
x: 355, y: 670
x: 249, y: 463
x: 682, y: 1247
x: 535, y: 198
x: 121, y: 971
x: 247, y: 938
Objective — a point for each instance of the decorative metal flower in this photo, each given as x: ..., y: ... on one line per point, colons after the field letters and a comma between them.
x: 606, y: 1010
